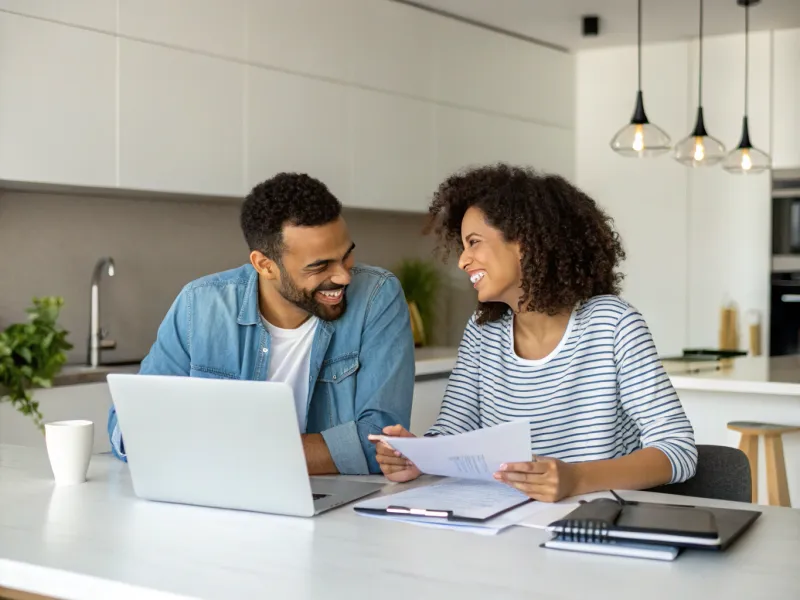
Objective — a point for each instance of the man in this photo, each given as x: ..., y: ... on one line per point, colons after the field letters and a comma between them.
x: 303, y: 313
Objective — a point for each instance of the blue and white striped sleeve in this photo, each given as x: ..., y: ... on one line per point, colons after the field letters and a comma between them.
x: 647, y: 395
x: 459, y: 412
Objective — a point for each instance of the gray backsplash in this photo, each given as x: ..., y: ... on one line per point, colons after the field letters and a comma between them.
x: 49, y: 244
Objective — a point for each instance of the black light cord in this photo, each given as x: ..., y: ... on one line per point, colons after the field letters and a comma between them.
x: 700, y: 78
x: 639, y: 43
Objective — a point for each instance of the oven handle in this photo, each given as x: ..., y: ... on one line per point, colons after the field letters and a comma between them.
x: 790, y: 298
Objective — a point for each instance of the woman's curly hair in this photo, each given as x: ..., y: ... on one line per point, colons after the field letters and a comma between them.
x: 570, y: 250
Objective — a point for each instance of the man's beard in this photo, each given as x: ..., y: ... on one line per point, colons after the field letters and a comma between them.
x: 307, y: 300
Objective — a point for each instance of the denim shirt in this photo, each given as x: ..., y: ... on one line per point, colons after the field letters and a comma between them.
x: 361, y: 370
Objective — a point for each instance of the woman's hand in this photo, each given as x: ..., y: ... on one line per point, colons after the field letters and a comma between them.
x: 393, y: 464
x: 544, y: 479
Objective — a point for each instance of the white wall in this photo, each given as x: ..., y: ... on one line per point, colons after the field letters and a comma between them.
x: 694, y: 237
x: 379, y: 99
x: 647, y: 199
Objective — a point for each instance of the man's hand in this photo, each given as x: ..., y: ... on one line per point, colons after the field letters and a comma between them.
x: 393, y: 464
x: 545, y: 479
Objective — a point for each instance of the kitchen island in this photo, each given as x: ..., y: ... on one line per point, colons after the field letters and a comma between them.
x: 760, y: 388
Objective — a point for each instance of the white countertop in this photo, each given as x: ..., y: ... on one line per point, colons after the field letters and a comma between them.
x: 433, y: 360
x: 97, y: 541
x: 778, y: 375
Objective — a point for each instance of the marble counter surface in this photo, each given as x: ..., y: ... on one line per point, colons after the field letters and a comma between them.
x: 778, y: 375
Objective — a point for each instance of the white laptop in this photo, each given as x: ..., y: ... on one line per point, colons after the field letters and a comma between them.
x: 221, y: 443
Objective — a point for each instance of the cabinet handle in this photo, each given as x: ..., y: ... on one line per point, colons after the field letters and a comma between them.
x: 790, y: 298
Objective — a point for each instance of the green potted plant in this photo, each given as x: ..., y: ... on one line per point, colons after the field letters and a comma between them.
x: 420, y: 280
x: 31, y: 355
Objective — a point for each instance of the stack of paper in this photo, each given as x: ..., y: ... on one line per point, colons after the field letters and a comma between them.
x: 469, y: 500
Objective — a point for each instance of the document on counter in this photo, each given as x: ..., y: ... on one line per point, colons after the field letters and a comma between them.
x: 474, y: 455
x: 485, y: 507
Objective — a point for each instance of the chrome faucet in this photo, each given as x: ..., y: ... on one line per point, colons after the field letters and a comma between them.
x: 97, y: 335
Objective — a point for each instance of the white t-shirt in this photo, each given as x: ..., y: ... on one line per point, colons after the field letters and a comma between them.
x: 290, y: 361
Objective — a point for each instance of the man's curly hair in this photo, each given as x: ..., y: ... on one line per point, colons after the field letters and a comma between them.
x: 570, y: 250
x: 294, y: 199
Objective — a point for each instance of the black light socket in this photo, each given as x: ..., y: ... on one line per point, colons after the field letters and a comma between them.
x: 591, y: 25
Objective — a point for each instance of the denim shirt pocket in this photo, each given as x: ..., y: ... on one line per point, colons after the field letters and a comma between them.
x: 339, y: 388
x: 336, y: 370
x: 210, y: 373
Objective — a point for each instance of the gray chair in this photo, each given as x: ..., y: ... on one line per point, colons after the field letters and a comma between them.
x: 723, y: 473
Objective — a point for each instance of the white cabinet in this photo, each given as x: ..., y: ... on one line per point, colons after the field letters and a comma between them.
x: 97, y: 14
x: 394, y: 45
x: 57, y: 105
x: 213, y: 26
x: 466, y: 138
x: 308, y: 36
x: 393, y: 151
x: 427, y: 401
x: 300, y: 124
x: 89, y: 401
x: 181, y: 121
x: 477, y: 68
x: 786, y: 99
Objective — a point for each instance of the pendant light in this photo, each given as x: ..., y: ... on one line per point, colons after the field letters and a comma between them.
x: 640, y: 138
x: 699, y: 149
x: 746, y: 159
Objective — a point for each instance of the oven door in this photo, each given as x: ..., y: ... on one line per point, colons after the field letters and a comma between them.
x: 785, y: 314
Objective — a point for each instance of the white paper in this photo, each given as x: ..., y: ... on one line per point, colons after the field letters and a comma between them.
x: 550, y: 512
x: 474, y: 455
x: 465, y: 498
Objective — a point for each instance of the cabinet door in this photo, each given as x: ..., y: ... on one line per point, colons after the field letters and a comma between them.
x: 57, y: 103
x: 181, y: 121
x: 305, y: 36
x: 426, y: 404
x: 299, y: 124
x: 97, y: 14
x: 393, y: 152
x: 212, y: 26
x: 786, y: 100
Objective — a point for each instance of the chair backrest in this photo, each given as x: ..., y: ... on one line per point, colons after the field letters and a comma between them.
x: 723, y: 473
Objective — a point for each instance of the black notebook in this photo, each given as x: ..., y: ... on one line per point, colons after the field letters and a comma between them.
x: 608, y: 519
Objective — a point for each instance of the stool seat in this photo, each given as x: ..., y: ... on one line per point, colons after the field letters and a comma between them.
x: 777, y: 485
x: 758, y: 428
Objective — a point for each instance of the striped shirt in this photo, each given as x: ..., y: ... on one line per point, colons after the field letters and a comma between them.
x: 602, y: 393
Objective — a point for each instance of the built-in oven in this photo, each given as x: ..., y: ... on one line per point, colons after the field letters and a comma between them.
x: 785, y: 314
x: 786, y: 212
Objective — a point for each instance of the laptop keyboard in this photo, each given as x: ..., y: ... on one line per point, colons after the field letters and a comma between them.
x: 319, y: 496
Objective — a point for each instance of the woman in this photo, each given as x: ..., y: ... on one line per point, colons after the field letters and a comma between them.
x: 552, y: 342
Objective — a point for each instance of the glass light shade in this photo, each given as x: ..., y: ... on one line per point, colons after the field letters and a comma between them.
x: 746, y: 160
x: 699, y: 151
x: 640, y: 140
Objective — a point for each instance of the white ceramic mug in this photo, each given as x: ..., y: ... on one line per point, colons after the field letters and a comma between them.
x: 69, y: 446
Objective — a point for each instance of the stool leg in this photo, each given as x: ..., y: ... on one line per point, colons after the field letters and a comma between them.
x: 777, y: 485
x: 749, y: 445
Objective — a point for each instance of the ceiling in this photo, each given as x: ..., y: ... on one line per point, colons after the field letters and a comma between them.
x: 558, y: 22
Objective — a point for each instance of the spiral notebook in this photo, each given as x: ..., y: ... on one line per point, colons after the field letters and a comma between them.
x: 616, y: 520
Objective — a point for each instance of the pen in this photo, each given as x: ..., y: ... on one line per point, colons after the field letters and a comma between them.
x: 420, y: 512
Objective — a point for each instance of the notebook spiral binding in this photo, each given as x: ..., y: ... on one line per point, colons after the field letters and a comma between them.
x: 591, y: 531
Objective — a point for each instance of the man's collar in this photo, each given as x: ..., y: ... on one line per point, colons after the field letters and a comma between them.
x: 249, y: 314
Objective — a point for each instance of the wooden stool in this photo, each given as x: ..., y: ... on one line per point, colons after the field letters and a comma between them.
x: 777, y: 486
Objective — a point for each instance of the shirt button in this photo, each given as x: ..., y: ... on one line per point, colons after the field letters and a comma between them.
x: 265, y: 350
x: 334, y: 377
